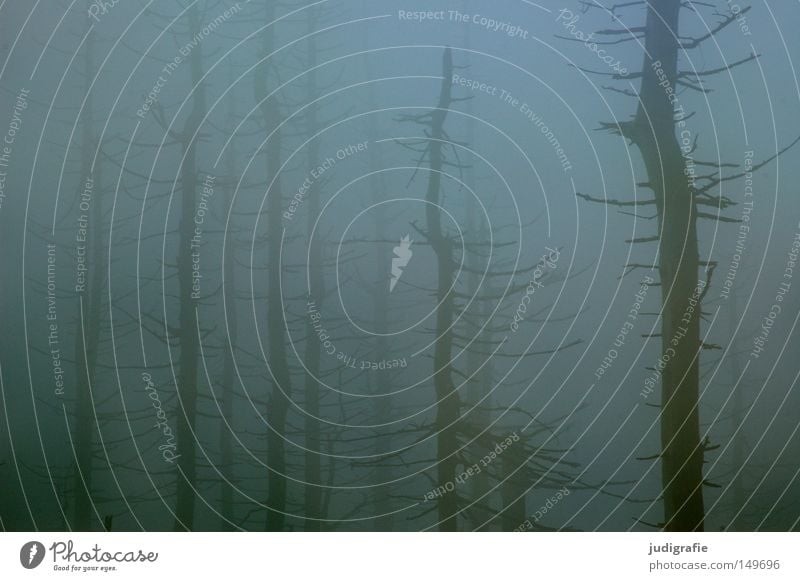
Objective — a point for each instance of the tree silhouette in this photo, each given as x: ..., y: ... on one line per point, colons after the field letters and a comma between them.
x: 680, y: 193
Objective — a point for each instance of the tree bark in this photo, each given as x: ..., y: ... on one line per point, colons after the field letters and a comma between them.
x: 228, y: 369
x: 188, y: 332
x: 87, y: 339
x: 313, y: 467
x: 448, y: 406
x: 278, y: 404
x: 654, y: 135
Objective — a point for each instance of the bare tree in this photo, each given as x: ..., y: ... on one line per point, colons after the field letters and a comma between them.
x: 679, y: 194
x: 280, y: 395
x: 90, y: 309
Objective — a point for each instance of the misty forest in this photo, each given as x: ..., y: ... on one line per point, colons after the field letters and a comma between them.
x: 350, y: 265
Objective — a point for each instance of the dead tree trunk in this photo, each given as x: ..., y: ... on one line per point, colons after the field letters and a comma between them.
x: 448, y: 406
x: 278, y: 403
x: 188, y: 332
x: 446, y: 423
x: 228, y: 368
x: 313, y: 468
x: 87, y: 341
x: 678, y: 192
x: 379, y: 384
x: 654, y: 135
x: 479, y: 371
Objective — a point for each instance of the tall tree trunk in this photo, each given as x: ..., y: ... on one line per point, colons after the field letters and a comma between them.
x: 480, y: 377
x: 379, y: 384
x: 228, y: 369
x: 189, y: 341
x: 87, y: 339
x: 681, y: 451
x: 278, y: 404
x: 281, y: 388
x: 313, y: 468
x: 448, y: 406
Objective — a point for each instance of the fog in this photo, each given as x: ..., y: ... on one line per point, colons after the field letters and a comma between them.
x: 349, y: 265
